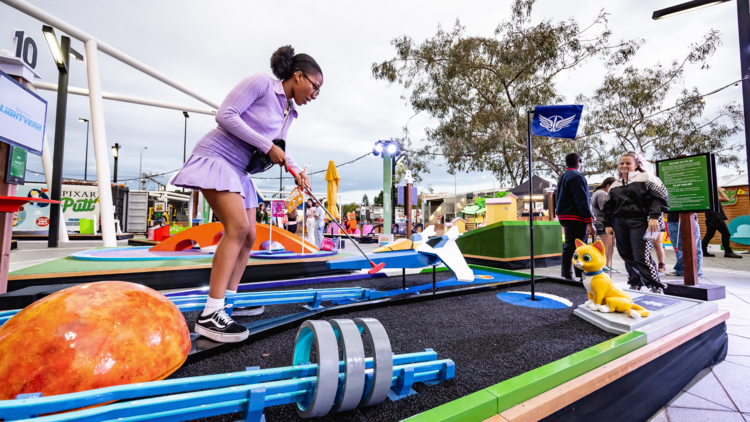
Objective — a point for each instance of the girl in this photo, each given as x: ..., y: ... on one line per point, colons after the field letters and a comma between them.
x: 310, y: 224
x: 636, y: 202
x: 261, y: 215
x: 598, y: 198
x: 256, y: 112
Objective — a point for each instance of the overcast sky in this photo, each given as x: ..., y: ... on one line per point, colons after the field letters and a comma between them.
x: 210, y: 46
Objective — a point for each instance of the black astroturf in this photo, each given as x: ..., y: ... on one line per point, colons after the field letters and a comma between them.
x: 490, y: 341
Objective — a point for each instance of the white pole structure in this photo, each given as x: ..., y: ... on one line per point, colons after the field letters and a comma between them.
x: 101, y: 157
x: 128, y: 99
x: 76, y: 33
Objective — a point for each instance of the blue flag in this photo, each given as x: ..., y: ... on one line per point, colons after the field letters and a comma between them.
x: 556, y: 121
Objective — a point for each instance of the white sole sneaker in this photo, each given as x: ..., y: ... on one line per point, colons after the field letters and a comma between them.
x: 248, y: 312
x: 221, y: 337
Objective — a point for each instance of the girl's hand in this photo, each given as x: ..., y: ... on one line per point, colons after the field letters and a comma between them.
x: 301, y: 180
x: 277, y: 156
x: 653, y: 225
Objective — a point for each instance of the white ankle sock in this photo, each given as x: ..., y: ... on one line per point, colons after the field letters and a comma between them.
x: 231, y: 292
x: 212, y: 305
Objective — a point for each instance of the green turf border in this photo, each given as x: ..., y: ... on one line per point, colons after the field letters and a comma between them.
x: 483, y: 268
x: 476, y: 406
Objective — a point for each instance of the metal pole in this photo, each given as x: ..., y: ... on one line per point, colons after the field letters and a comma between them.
x: 109, y: 239
x: 57, y: 166
x: 184, y: 145
x: 394, y: 191
x: 117, y: 154
x: 403, y: 278
x: 531, y: 208
x: 743, y: 22
x: 140, y: 171
x: 86, y: 163
x: 433, y: 279
x: 407, y: 207
x: 387, y: 216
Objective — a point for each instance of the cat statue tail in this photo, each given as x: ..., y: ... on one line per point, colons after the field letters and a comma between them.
x: 636, y: 312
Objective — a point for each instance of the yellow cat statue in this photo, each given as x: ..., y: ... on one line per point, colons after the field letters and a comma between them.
x: 603, y: 295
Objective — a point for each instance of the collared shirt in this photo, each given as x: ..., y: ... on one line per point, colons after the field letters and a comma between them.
x: 320, y: 215
x: 253, y: 112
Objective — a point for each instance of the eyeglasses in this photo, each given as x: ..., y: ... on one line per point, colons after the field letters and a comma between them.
x: 315, y: 87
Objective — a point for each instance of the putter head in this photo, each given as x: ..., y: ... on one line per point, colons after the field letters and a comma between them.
x: 376, y: 268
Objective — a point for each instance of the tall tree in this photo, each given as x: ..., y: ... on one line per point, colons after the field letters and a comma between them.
x: 378, y: 200
x: 627, y: 113
x: 479, y: 89
x: 365, y: 200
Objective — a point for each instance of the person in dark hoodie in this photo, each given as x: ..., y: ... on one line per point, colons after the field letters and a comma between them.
x: 573, y: 210
x: 637, y: 201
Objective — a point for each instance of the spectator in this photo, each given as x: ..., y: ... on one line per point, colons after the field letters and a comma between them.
x: 320, y: 220
x: 261, y: 214
x: 636, y: 202
x: 291, y: 224
x: 573, y: 211
x: 311, y: 225
x: 598, y: 198
x: 673, y: 229
x: 714, y: 222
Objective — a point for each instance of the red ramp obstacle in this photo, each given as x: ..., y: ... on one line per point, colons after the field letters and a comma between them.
x: 209, y: 234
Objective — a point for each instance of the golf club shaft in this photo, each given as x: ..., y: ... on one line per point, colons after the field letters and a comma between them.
x: 309, y: 192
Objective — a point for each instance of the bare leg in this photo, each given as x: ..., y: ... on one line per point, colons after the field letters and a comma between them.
x: 607, y: 240
x: 659, y: 249
x: 230, y: 208
x: 244, y: 254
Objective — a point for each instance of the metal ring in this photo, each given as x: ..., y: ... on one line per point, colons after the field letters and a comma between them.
x: 382, y: 371
x: 354, y: 364
x: 327, y: 380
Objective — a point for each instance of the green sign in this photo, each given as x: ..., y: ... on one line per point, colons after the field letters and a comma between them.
x: 16, y: 171
x: 688, y: 182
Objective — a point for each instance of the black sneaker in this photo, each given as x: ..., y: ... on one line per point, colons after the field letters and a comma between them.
x: 635, y: 287
x: 732, y: 255
x: 658, y: 290
x: 708, y: 255
x: 220, y: 327
x: 249, y: 311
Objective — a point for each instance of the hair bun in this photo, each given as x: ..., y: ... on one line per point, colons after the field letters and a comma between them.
x: 281, y: 62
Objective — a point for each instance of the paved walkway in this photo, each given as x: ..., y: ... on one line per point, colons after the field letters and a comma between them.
x: 722, y: 392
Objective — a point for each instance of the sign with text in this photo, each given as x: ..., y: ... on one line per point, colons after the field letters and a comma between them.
x: 77, y: 202
x: 16, y: 171
x: 23, y: 115
x: 690, y: 182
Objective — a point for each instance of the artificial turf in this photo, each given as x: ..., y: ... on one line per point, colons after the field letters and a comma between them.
x: 489, y: 341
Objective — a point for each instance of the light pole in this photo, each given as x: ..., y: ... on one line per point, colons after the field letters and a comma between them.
x: 86, y: 163
x: 115, y: 152
x: 60, y: 52
x: 493, y: 182
x: 140, y: 171
x: 389, y: 150
x: 184, y: 149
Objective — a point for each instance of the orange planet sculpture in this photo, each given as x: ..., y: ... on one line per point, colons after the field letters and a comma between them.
x: 91, y: 336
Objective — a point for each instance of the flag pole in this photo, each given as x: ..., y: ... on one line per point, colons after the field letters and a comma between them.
x: 531, y: 204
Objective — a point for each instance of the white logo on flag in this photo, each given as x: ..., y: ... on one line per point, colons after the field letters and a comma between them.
x: 555, y: 123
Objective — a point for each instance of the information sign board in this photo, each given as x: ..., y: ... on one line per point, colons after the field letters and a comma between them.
x: 690, y: 182
x: 15, y: 173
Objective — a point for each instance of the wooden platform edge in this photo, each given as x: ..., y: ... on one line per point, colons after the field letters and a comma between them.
x: 557, y: 398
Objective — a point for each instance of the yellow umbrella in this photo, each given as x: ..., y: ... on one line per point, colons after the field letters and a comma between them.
x: 332, y: 177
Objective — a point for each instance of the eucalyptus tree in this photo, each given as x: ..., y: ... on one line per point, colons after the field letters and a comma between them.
x: 480, y: 88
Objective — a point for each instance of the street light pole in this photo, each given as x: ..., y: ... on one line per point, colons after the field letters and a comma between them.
x: 743, y: 22
x: 184, y: 149
x: 86, y: 162
x: 115, y: 152
x: 61, y: 53
x: 140, y: 171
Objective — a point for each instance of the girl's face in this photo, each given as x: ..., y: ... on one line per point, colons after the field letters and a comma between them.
x: 262, y: 206
x: 627, y: 164
x: 306, y: 87
x: 309, y: 203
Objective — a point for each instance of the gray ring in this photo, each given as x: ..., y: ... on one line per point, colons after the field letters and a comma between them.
x: 354, y: 364
x: 382, y: 371
x: 327, y: 380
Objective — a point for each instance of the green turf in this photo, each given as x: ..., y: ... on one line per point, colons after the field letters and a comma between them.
x: 70, y: 265
x: 511, y: 392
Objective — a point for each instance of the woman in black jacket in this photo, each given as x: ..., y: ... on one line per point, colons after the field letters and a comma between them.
x: 636, y: 202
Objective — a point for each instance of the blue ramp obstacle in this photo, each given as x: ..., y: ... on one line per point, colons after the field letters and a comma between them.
x: 316, y: 388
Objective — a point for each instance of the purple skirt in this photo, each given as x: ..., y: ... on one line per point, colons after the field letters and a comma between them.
x: 218, y: 162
